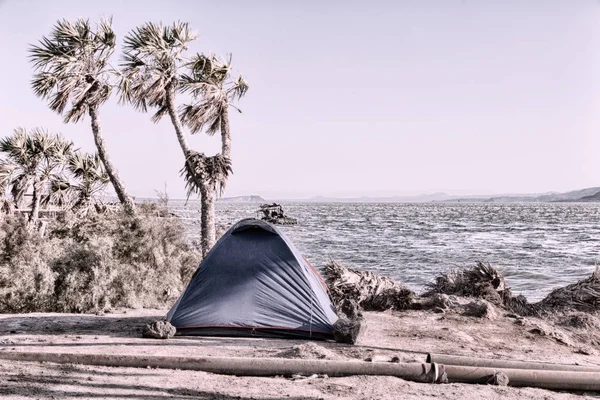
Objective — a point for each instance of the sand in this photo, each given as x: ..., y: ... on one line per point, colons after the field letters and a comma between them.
x: 407, y: 335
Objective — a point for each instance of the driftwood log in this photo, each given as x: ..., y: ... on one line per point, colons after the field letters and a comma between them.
x: 371, y: 292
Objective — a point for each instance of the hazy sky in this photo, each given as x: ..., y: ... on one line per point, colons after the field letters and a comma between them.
x: 357, y: 98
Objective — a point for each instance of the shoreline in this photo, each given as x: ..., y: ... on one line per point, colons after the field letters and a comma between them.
x: 408, y: 335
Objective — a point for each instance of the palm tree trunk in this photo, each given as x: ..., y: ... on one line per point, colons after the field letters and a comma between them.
x: 35, y: 204
x: 207, y: 212
x: 18, y: 191
x: 225, y: 134
x: 207, y: 219
x: 172, y: 109
x: 125, y: 199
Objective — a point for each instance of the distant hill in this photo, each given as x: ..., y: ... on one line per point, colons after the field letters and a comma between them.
x: 589, y: 194
x: 592, y: 197
x: 582, y: 195
x: 243, y: 199
x: 423, y: 198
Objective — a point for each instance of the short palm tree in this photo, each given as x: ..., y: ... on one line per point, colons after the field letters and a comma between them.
x: 80, y: 184
x: 73, y: 74
x: 31, y: 161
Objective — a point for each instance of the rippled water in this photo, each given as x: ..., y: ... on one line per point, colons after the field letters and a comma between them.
x: 537, y: 246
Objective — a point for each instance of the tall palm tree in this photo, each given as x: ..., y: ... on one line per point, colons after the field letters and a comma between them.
x: 152, y: 67
x: 34, y: 158
x: 150, y: 77
x: 213, y: 91
x: 73, y: 74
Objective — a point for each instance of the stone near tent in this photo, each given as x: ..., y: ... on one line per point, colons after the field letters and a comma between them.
x: 346, y: 330
x: 159, y: 330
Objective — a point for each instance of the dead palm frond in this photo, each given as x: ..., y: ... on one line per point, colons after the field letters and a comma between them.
x: 482, y: 280
x: 212, y: 171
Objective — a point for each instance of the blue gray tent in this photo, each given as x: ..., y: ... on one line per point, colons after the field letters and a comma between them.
x: 255, y: 282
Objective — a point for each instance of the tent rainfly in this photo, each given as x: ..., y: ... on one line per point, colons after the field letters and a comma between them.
x: 254, y: 282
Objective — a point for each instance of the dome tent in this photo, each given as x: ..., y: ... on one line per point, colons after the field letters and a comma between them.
x: 254, y: 282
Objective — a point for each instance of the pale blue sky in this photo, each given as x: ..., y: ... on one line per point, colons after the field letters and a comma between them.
x: 357, y: 98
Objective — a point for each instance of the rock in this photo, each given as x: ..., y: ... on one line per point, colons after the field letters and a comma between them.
x: 350, y: 309
x: 159, y: 330
x: 498, y: 379
x: 481, y: 309
x: 347, y: 330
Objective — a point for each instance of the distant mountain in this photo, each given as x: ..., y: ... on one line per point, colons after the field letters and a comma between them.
x: 243, y: 199
x: 589, y: 194
x: 423, y: 198
x: 592, y: 197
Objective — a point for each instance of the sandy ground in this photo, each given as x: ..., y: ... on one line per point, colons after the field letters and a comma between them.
x: 407, y: 335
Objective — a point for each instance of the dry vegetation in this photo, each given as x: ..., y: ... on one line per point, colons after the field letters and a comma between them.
x: 93, y: 264
x: 373, y: 292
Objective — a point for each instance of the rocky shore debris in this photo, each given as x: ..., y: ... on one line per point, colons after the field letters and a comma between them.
x: 159, y: 330
x: 484, y: 283
x: 369, y: 291
x: 481, y: 309
x: 273, y: 214
x: 582, y: 296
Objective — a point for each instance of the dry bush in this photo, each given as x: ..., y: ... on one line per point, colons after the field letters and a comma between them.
x: 94, y: 263
x: 85, y: 276
x: 26, y: 278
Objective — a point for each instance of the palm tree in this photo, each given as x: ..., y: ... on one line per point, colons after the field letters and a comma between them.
x: 213, y: 90
x: 73, y: 71
x: 212, y: 172
x: 151, y: 77
x: 83, y: 179
x: 32, y: 160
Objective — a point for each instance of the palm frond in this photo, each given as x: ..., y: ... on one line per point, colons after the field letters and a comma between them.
x: 71, y: 66
x: 150, y: 63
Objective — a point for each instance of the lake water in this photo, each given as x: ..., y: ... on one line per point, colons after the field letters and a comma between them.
x: 538, y: 247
